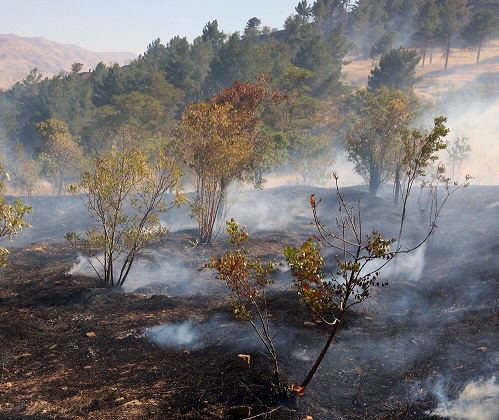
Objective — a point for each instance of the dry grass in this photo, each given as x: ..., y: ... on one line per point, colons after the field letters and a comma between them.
x: 461, y: 70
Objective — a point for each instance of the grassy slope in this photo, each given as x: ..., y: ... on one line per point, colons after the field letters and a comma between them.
x: 461, y: 70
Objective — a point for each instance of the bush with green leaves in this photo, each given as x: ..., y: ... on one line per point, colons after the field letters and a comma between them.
x: 124, y: 195
x: 12, y: 220
x: 247, y: 280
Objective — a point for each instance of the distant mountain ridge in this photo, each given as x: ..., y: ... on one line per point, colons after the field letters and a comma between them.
x: 18, y: 55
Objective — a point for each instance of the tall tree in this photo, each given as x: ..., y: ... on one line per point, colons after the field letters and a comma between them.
x: 179, y: 66
x: 218, y: 141
x: 425, y: 33
x: 155, y: 54
x: 112, y: 82
x: 453, y: 15
x: 304, y: 11
x: 401, y: 14
x: 212, y: 34
x: 339, y: 43
x: 366, y: 25
x: 252, y: 28
x: 228, y: 66
x: 315, y: 55
x: 31, y: 108
x: 328, y: 14
x: 202, y: 53
x: 303, y: 120
x: 62, y: 157
x: 482, y: 26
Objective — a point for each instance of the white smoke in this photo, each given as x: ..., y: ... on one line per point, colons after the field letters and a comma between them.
x: 180, y: 334
x: 84, y: 266
x: 160, y: 277
x: 197, y: 333
x: 479, y: 400
x: 481, y: 127
x: 407, y: 267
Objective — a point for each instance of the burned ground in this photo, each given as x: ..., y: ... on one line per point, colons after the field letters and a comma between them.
x: 71, y: 349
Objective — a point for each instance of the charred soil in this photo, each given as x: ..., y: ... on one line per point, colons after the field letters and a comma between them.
x: 73, y: 350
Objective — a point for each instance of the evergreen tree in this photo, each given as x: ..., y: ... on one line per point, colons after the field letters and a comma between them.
x: 453, y: 15
x: 384, y: 44
x: 252, y: 28
x: 179, y: 67
x: 212, y: 34
x: 228, y: 66
x: 316, y: 55
x: 304, y: 11
x: 482, y: 26
x: 155, y: 55
x: 366, y: 25
x: 396, y: 70
x: 339, y: 43
x: 425, y: 34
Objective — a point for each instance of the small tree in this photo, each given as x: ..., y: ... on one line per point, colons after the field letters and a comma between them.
x: 375, y: 143
x: 124, y: 196
x: 247, y: 280
x: 312, y: 156
x: 459, y: 152
x: 12, y: 220
x: 330, y: 288
x: 396, y: 70
x: 62, y: 157
x: 384, y: 44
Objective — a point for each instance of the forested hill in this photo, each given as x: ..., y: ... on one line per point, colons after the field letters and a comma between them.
x: 490, y: 4
x: 18, y: 55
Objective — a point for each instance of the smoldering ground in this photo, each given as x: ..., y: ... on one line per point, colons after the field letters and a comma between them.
x: 406, y: 328
x: 406, y: 335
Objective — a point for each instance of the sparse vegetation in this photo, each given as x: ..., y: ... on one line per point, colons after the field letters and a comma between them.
x: 12, y: 220
x: 128, y: 137
x: 247, y: 280
x: 124, y: 196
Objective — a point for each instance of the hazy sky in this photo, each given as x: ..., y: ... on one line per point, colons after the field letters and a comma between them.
x: 130, y: 25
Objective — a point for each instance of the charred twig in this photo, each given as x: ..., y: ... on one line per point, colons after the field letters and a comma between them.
x: 267, y: 413
x: 252, y: 393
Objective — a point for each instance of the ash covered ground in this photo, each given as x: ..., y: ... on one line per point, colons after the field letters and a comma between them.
x: 425, y: 346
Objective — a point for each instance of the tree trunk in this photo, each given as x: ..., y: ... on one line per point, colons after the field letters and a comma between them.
x: 374, y: 180
x: 447, y: 52
x: 478, y: 53
x: 397, y: 186
x: 323, y: 353
x: 424, y: 57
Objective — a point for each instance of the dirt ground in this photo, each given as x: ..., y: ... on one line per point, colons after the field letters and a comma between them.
x: 461, y: 72
x: 71, y: 349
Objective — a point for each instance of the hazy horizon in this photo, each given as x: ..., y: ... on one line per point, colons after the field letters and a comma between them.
x: 113, y: 26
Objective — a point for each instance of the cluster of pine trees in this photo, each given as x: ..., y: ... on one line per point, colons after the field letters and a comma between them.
x: 51, y: 125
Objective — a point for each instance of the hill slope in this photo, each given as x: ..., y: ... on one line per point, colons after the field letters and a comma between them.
x: 18, y: 55
x: 461, y: 72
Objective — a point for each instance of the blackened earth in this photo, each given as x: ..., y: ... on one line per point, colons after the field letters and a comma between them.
x: 71, y: 349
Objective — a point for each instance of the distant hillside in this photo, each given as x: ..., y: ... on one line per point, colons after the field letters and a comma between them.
x: 490, y: 4
x: 18, y: 55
